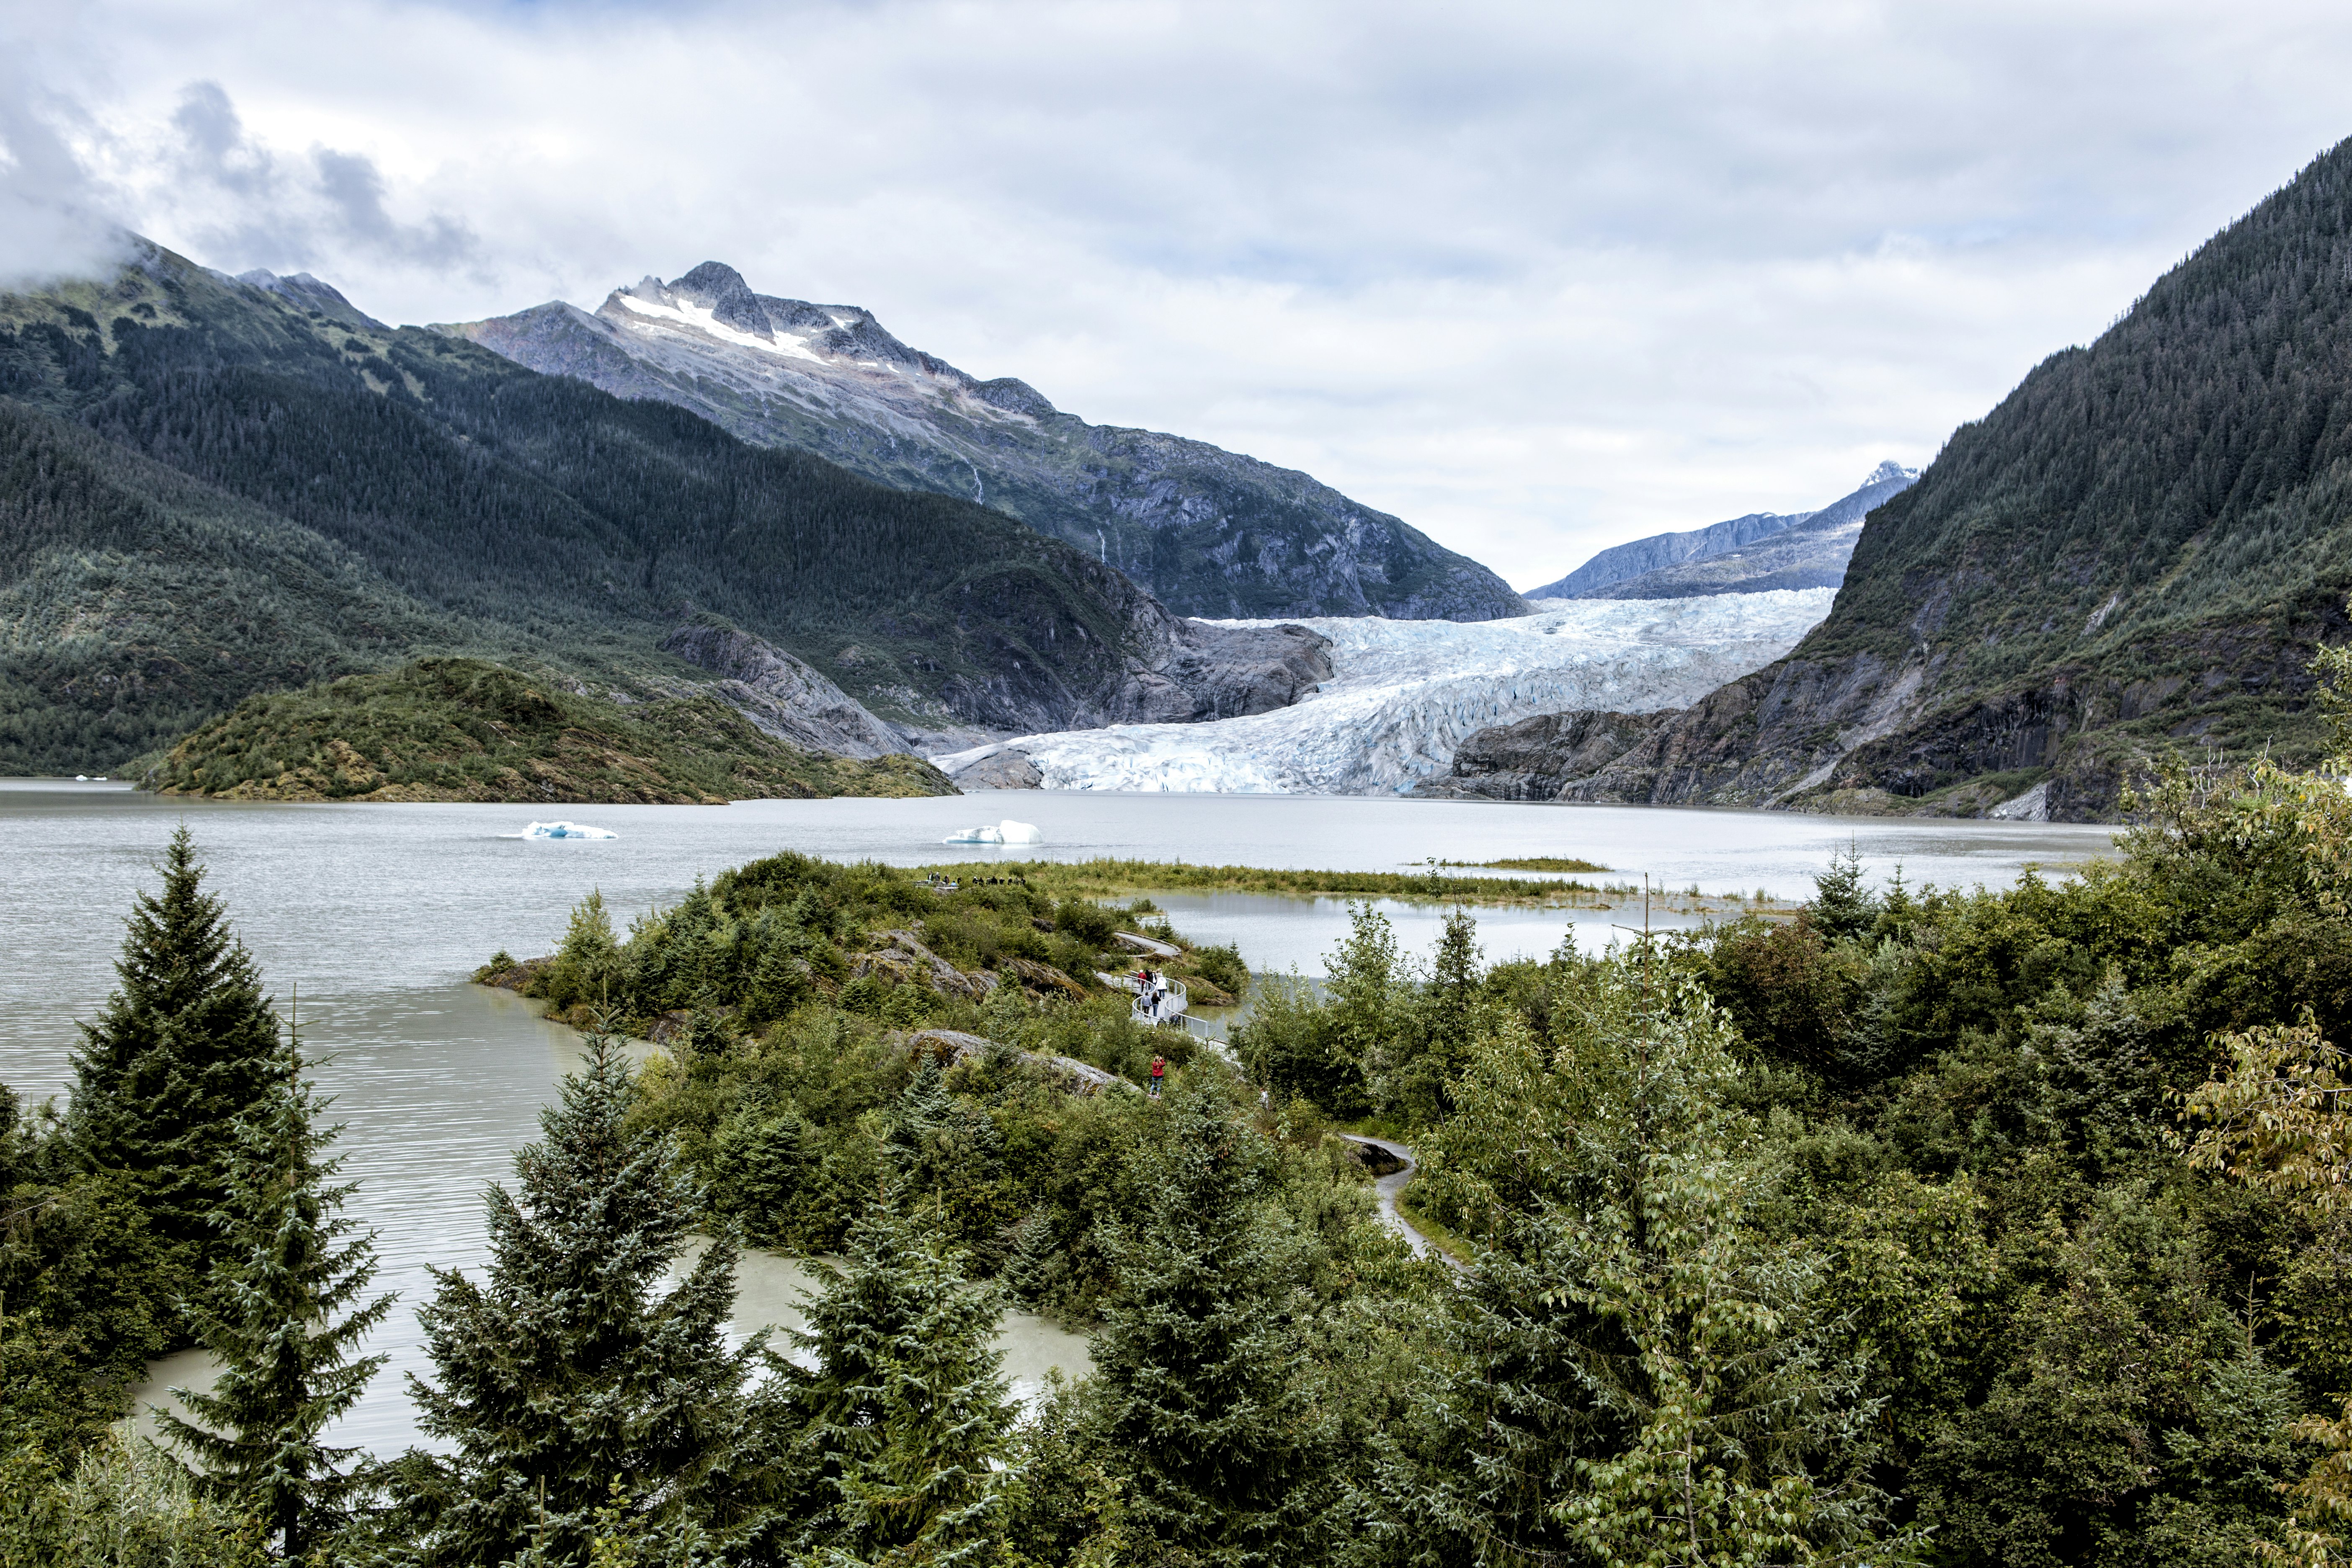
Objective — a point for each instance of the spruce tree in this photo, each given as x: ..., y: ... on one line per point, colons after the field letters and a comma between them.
x: 572, y: 1385
x: 183, y: 1050
x: 1843, y: 906
x: 906, y: 1413
x: 1416, y: 1085
x: 757, y: 1163
x: 1640, y: 1374
x: 290, y: 1264
x: 1201, y: 1376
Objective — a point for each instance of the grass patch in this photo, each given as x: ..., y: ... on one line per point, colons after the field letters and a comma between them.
x: 1531, y: 863
x: 1112, y: 878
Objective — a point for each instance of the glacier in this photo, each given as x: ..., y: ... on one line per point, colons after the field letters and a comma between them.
x: 1405, y: 694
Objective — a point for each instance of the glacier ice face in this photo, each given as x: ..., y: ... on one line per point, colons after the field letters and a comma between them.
x: 1404, y: 694
x: 564, y: 830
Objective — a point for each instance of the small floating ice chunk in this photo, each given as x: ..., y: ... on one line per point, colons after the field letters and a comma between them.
x: 564, y: 830
x: 1006, y: 832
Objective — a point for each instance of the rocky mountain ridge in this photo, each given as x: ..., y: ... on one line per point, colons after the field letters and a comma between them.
x: 1752, y: 554
x: 1208, y: 532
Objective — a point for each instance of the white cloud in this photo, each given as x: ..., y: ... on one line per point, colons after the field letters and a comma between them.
x: 1536, y: 277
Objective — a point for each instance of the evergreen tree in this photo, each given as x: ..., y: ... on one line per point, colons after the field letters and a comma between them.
x: 907, y: 1414
x: 1200, y: 1378
x: 1444, y: 1022
x: 587, y: 966
x: 183, y: 1050
x: 1640, y: 1377
x: 1843, y: 906
x: 290, y: 1264
x: 757, y: 1163
x: 570, y: 1379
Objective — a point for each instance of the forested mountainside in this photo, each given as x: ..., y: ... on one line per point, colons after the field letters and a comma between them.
x: 214, y: 486
x: 1752, y: 554
x: 1208, y: 532
x: 2138, y: 549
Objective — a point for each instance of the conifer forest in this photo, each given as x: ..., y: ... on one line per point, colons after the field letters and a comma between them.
x: 2002, y: 1228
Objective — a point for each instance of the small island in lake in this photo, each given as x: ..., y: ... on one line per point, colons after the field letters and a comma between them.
x: 464, y: 729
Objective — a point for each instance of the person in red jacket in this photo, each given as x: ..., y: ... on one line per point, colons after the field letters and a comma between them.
x: 1158, y: 1072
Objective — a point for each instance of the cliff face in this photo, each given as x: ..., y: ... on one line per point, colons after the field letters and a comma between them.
x: 1208, y: 532
x: 2138, y: 549
x: 1536, y: 758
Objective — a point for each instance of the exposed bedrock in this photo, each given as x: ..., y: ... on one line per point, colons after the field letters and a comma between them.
x: 1004, y: 767
x: 1536, y: 758
x: 782, y: 695
x: 1226, y: 672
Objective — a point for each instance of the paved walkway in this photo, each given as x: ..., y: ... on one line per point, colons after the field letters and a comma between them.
x: 1387, y: 1187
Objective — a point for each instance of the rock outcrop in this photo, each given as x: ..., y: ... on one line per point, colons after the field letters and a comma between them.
x: 1538, y: 758
x: 999, y: 767
x: 949, y: 1046
x: 782, y: 695
x: 1209, y: 671
x: 903, y: 959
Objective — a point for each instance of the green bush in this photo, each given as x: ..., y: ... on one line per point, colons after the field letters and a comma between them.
x: 1086, y: 920
x: 1223, y: 966
x: 125, y: 1505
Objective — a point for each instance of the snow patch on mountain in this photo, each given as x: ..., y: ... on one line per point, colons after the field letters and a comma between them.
x: 1404, y: 694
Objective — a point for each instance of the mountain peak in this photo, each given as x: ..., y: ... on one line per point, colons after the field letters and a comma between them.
x: 1210, y: 532
x: 1886, y: 470
x: 311, y: 293
x: 720, y: 289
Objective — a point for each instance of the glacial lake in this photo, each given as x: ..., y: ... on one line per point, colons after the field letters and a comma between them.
x: 378, y: 912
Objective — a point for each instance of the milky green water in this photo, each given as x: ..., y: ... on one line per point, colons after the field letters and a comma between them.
x: 378, y: 912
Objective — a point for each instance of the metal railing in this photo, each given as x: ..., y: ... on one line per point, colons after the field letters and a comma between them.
x: 1170, y: 1006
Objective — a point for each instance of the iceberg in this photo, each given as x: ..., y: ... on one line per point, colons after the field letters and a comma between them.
x: 562, y: 830
x: 1006, y: 832
x: 1404, y: 695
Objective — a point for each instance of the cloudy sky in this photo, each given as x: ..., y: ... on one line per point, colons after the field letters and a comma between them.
x: 1536, y: 278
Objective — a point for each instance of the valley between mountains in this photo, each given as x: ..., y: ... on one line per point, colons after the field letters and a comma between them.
x: 706, y: 542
